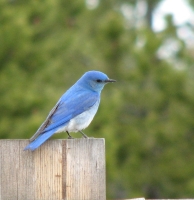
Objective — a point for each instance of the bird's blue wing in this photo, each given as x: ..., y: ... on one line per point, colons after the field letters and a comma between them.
x: 71, y: 104
x: 45, y: 123
x: 70, y: 107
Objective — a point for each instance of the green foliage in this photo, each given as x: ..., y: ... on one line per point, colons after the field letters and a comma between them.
x: 146, y: 117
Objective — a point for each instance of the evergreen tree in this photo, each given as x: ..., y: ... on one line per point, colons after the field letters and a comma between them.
x: 146, y: 117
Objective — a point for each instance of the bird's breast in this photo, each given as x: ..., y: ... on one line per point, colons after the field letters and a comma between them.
x: 81, y: 121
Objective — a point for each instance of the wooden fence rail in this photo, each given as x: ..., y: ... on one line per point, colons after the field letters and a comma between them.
x: 59, y: 169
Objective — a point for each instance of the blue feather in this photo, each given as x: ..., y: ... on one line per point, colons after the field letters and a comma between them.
x: 40, y: 140
x: 75, y: 109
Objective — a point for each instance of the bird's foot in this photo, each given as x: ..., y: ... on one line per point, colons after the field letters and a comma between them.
x: 83, y: 135
x: 86, y: 137
x: 70, y: 137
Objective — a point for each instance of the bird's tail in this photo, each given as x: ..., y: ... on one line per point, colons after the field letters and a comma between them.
x: 39, y: 140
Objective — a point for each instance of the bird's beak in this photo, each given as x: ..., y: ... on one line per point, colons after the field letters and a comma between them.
x: 110, y: 80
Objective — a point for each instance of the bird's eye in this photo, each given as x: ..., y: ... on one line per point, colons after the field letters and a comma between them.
x: 98, y: 80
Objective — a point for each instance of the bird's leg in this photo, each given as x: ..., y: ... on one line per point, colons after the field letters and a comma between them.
x: 70, y: 137
x: 84, y: 135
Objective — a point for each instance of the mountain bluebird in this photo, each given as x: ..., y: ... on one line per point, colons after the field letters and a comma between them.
x: 75, y: 109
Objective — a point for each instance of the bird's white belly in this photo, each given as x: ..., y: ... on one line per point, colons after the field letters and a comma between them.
x: 81, y: 121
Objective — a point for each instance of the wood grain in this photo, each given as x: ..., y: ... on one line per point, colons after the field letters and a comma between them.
x: 85, y: 169
x: 59, y: 169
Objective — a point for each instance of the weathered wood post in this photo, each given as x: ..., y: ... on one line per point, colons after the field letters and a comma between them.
x: 59, y: 169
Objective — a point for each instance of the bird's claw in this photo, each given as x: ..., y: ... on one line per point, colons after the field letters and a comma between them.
x: 70, y: 137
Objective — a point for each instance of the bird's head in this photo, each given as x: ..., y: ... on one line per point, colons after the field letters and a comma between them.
x: 94, y: 80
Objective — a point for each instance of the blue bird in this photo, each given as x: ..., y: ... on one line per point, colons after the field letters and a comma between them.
x: 75, y: 109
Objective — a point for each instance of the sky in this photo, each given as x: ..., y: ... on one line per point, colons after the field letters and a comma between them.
x: 182, y: 13
x: 178, y: 8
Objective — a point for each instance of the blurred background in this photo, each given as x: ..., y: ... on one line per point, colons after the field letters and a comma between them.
x: 146, y: 117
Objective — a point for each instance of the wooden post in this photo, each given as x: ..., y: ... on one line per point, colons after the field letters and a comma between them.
x: 59, y: 169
